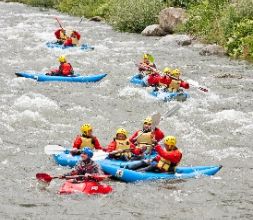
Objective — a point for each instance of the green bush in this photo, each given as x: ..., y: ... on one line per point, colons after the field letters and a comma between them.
x: 134, y: 15
x: 240, y: 44
x: 42, y: 3
x: 204, y: 20
x: 86, y: 8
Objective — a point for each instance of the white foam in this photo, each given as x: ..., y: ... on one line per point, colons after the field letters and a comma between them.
x: 35, y: 102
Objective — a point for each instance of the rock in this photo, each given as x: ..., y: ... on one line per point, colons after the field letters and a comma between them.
x: 229, y: 75
x: 177, y: 39
x: 184, y: 40
x: 153, y: 30
x: 96, y: 18
x: 170, y: 18
x: 212, y: 49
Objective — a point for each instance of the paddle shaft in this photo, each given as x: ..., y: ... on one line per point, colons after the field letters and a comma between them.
x: 59, y: 23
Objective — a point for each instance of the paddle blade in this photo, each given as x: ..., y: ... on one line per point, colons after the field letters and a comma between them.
x: 172, y: 111
x: 155, y: 120
x: 99, y: 155
x: 53, y: 149
x: 44, y: 177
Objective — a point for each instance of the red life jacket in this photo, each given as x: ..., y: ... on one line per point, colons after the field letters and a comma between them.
x: 78, y: 36
x: 57, y: 33
x: 66, y: 69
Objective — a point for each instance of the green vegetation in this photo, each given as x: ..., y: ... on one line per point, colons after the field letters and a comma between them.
x: 228, y: 23
x: 133, y: 15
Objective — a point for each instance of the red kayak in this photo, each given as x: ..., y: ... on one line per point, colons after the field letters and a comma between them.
x: 86, y: 187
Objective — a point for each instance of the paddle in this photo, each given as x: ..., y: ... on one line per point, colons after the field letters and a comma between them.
x: 59, y: 23
x: 44, y: 177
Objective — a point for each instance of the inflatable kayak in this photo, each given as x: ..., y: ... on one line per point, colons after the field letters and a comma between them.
x: 77, y: 78
x: 138, y: 80
x: 67, y: 159
x: 160, y: 94
x: 127, y: 175
x: 169, y: 96
x: 84, y: 47
x: 86, y: 187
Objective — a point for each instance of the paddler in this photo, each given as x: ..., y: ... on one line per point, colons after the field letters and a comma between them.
x: 86, y: 166
x: 167, y: 159
x: 144, y: 139
x: 65, y: 68
x: 86, y: 139
x: 172, y: 80
x: 147, y: 66
x: 121, y: 148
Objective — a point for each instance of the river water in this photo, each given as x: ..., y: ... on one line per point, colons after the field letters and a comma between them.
x: 212, y: 128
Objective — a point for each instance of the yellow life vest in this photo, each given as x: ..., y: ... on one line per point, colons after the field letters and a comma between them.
x: 123, y: 145
x: 87, y: 142
x: 174, y: 85
x: 145, y: 139
x: 166, y: 165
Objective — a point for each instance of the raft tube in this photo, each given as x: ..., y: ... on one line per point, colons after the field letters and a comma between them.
x: 127, y: 175
x: 41, y: 77
x: 84, y: 47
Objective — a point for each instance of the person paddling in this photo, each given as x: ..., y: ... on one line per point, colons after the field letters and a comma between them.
x: 65, y: 68
x: 73, y: 39
x: 85, y: 167
x: 172, y: 80
x: 166, y: 160
x: 60, y: 35
x: 120, y: 148
x: 147, y: 65
x: 145, y: 138
x: 86, y: 139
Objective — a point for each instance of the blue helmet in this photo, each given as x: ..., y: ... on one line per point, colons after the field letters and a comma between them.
x: 87, y: 151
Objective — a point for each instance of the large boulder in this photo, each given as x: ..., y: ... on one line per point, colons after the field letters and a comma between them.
x: 170, y: 18
x: 212, y: 49
x: 153, y: 30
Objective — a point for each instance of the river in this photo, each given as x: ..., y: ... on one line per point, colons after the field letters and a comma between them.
x: 212, y: 128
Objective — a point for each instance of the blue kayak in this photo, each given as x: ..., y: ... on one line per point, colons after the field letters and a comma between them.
x: 160, y: 94
x: 84, y: 47
x: 127, y: 175
x: 41, y: 77
x: 67, y: 159
x: 169, y: 96
x: 138, y: 80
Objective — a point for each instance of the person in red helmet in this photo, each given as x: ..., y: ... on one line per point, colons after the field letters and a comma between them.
x: 65, y: 68
x: 87, y: 139
x: 145, y: 139
x: 121, y: 148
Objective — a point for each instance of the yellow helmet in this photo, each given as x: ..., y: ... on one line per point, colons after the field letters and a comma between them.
x: 148, y: 120
x: 122, y: 131
x: 176, y: 72
x: 85, y: 128
x: 167, y: 70
x: 170, y: 140
x: 62, y: 59
x: 149, y: 57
